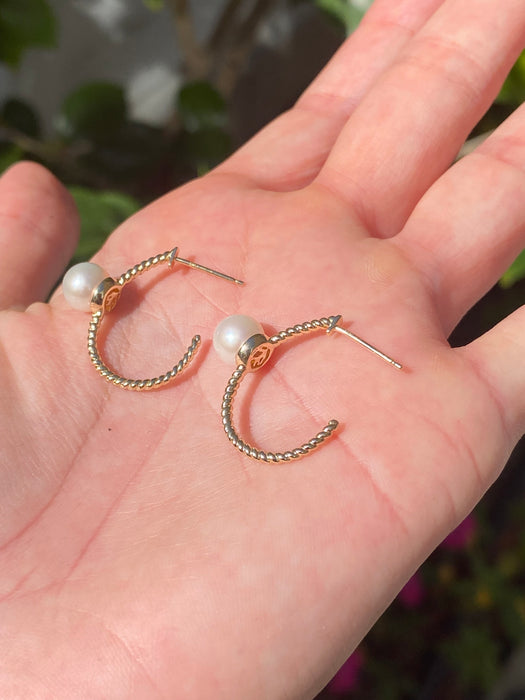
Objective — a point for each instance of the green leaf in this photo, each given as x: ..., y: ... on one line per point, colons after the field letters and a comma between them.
x: 20, y: 116
x: 9, y: 155
x: 474, y: 652
x: 25, y: 24
x: 133, y: 154
x: 515, y: 272
x: 206, y: 148
x: 201, y: 106
x: 513, y: 90
x: 100, y: 213
x: 95, y: 111
x: 154, y: 5
x: 344, y: 12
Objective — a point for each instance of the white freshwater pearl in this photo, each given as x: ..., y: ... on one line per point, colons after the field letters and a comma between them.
x: 79, y: 283
x: 231, y: 333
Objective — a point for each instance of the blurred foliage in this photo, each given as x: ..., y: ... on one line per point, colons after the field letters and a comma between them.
x: 200, y: 106
x: 95, y: 111
x: 515, y: 273
x: 469, y: 597
x: 154, y: 5
x: 21, y: 116
x: 100, y: 212
x: 513, y: 91
x: 205, y: 139
x: 25, y: 24
x: 9, y: 155
x: 344, y: 12
x: 450, y: 640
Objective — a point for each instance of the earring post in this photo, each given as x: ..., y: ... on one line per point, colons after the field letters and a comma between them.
x: 334, y: 327
x: 196, y: 266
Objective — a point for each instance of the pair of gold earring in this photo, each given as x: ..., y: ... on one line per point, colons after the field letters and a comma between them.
x: 88, y: 287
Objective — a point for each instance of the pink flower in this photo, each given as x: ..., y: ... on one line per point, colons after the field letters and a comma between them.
x: 462, y: 536
x: 347, y: 678
x: 413, y: 592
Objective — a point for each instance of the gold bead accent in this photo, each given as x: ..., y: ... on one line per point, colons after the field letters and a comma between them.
x: 105, y: 296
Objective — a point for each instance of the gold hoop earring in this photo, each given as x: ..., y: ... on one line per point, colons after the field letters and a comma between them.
x: 242, y: 338
x: 88, y: 287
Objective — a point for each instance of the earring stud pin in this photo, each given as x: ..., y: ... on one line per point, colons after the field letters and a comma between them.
x: 334, y: 320
x: 175, y: 258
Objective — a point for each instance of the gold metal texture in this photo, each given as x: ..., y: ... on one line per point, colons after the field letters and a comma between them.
x: 326, y: 324
x: 105, y: 298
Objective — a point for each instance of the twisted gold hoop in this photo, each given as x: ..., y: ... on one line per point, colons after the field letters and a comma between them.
x: 135, y: 384
x: 102, y: 297
x: 108, y: 303
x: 251, y: 356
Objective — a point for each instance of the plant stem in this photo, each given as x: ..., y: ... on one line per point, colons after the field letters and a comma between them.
x: 224, y: 24
x: 54, y: 155
x: 249, y: 27
x: 194, y: 56
x: 27, y: 144
x: 240, y: 45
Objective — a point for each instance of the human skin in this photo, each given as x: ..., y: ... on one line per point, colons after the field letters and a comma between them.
x: 141, y: 555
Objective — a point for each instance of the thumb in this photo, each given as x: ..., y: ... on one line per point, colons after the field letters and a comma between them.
x: 38, y: 233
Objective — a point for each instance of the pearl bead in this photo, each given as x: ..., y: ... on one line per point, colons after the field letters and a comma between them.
x: 79, y: 283
x: 231, y: 333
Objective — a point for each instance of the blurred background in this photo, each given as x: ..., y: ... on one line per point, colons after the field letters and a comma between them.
x: 124, y: 100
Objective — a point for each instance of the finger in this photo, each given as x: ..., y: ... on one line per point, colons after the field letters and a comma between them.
x: 470, y: 225
x: 289, y: 152
x: 38, y: 233
x: 410, y: 126
x: 497, y: 359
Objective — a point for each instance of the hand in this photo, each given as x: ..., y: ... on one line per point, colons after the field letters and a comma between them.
x: 141, y: 555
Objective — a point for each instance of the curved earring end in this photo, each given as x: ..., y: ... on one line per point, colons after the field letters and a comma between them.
x: 136, y: 384
x: 254, y: 452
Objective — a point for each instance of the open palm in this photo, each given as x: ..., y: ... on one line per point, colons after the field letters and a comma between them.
x: 141, y: 555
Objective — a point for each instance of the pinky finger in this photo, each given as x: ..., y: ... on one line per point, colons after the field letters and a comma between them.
x: 497, y: 358
x: 38, y: 233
